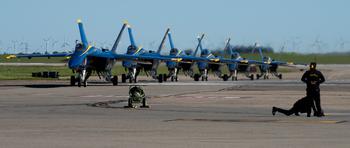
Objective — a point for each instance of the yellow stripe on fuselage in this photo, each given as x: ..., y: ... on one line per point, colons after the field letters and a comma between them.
x: 176, y: 59
x: 138, y: 50
x: 89, y: 47
x: 244, y: 61
x: 215, y: 60
x: 11, y: 56
x: 179, y: 52
x: 209, y: 55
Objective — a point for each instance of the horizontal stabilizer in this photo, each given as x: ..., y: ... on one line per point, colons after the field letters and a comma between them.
x: 171, y: 40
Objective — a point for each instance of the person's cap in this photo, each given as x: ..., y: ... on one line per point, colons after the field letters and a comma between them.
x: 313, y: 65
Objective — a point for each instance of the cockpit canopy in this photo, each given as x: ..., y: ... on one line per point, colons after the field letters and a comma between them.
x: 205, y: 52
x: 267, y: 59
x: 235, y: 55
x: 78, y: 47
x: 131, y: 49
x: 188, y: 52
x: 174, y: 51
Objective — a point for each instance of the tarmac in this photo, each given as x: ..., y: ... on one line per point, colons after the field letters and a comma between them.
x: 50, y: 113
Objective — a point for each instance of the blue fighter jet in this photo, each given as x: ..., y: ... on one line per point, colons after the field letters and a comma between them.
x: 269, y: 66
x: 187, y: 62
x: 245, y: 66
x: 86, y: 58
x: 214, y: 65
x: 148, y: 66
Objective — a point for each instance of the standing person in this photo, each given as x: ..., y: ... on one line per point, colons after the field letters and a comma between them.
x: 313, y: 78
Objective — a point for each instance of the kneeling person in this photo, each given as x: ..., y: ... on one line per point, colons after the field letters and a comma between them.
x: 303, y: 105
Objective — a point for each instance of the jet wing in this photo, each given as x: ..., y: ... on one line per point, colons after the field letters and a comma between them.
x: 282, y: 63
x: 187, y: 59
x: 40, y: 55
x: 278, y: 63
x: 240, y: 61
x: 288, y: 64
x: 140, y: 57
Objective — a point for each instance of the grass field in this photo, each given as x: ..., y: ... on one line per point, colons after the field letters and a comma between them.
x: 33, y: 60
x: 25, y: 72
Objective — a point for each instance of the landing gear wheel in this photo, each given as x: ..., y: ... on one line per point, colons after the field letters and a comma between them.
x: 251, y: 77
x: 196, y: 77
x: 85, y: 83
x: 225, y: 77
x: 123, y: 78
x: 172, y: 78
x: 234, y: 78
x: 72, y: 80
x: 257, y: 76
x: 280, y: 76
x: 79, y: 82
x: 134, y: 80
x: 115, y: 80
x: 266, y: 77
x: 160, y: 78
x: 165, y: 77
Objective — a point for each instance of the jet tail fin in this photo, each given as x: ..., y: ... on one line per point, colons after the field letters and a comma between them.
x: 260, y: 51
x: 171, y: 40
x: 82, y: 33
x: 114, y: 48
x: 227, y: 46
x: 163, y: 41
x: 131, y: 37
x: 199, y: 44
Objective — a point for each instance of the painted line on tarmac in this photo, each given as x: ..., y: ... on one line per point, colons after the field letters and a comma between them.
x: 103, y: 96
x: 184, y: 84
x: 337, y: 114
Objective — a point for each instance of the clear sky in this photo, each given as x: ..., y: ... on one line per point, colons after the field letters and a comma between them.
x: 297, y: 25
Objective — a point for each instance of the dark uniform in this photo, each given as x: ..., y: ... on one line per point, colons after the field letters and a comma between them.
x: 313, y: 78
x: 303, y: 105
